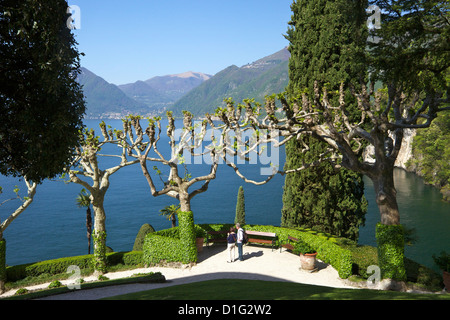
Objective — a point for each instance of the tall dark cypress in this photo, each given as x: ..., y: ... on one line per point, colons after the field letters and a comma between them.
x: 327, y: 43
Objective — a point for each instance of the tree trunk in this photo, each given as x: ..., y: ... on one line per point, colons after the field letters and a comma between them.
x: 89, y: 227
x: 185, y: 202
x: 2, y: 264
x: 99, y: 236
x: 389, y: 233
x: 386, y: 198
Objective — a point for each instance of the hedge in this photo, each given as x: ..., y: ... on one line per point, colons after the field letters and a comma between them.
x: 174, y: 244
x: 391, y: 251
x: 58, y: 266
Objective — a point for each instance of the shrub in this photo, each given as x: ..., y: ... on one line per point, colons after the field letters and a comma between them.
x: 443, y: 261
x: 174, y: 244
x: 301, y: 247
x: 143, y: 231
x: 391, y: 251
x: 58, y: 266
x: 240, y: 207
x: 55, y: 284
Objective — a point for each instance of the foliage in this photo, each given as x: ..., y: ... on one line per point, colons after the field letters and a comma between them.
x: 431, y: 154
x: 172, y: 245
x: 301, y: 247
x: 390, y: 244
x: 84, y: 201
x: 41, y: 104
x: 330, y: 53
x: 443, y: 261
x: 99, y: 260
x: 171, y: 213
x: 55, y: 284
x: 240, y: 207
x: 413, y: 51
x: 59, y: 266
x: 140, y: 238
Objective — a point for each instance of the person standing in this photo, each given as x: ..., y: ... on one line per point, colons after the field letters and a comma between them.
x: 240, y: 240
x: 231, y: 244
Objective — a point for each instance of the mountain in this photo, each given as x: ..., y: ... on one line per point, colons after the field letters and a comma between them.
x: 262, y: 77
x: 162, y: 91
x: 106, y: 100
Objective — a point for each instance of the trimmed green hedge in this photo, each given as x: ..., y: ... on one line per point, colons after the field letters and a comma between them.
x: 391, y: 251
x: 174, y: 244
x: 58, y: 266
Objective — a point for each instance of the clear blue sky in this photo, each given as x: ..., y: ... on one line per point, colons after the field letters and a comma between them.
x: 126, y: 41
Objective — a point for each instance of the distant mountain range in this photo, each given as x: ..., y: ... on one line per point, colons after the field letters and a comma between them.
x: 106, y: 100
x: 194, y: 91
x: 263, y: 77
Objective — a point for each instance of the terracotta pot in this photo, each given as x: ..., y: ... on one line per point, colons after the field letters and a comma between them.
x: 199, y: 244
x: 446, y: 277
x: 308, y: 261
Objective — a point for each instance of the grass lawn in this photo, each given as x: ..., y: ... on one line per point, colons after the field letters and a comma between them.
x: 232, y: 289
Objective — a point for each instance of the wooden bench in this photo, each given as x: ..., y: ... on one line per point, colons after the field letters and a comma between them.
x: 270, y: 237
x: 288, y: 244
x: 216, y: 236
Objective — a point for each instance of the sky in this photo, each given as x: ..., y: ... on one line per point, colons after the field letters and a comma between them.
x: 127, y: 41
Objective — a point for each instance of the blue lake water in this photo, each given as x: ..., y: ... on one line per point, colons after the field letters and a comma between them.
x: 53, y: 226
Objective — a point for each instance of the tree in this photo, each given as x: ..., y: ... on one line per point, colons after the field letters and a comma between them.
x: 86, y: 165
x: 410, y: 61
x: 240, y: 207
x: 41, y: 104
x: 431, y: 154
x: 84, y: 201
x: 171, y: 213
x: 25, y: 203
x: 179, y: 179
x: 327, y: 41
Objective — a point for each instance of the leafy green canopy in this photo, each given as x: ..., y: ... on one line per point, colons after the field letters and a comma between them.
x: 41, y: 104
x: 431, y: 153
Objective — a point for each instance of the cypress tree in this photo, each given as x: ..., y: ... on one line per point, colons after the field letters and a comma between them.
x: 327, y: 43
x: 240, y: 207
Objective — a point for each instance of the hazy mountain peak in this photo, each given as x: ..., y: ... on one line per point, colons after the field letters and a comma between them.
x: 191, y: 74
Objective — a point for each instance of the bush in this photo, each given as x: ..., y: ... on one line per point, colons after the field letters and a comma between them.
x: 174, y: 244
x: 442, y: 261
x: 391, y: 251
x: 55, y: 284
x: 301, y: 247
x: 140, y: 238
x: 58, y: 266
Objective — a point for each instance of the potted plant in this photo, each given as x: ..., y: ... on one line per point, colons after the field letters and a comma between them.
x: 443, y: 262
x: 307, y: 255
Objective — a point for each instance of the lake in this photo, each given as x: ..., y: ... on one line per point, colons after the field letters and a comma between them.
x: 53, y: 226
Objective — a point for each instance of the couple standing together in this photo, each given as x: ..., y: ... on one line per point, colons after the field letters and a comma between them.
x: 234, y: 240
